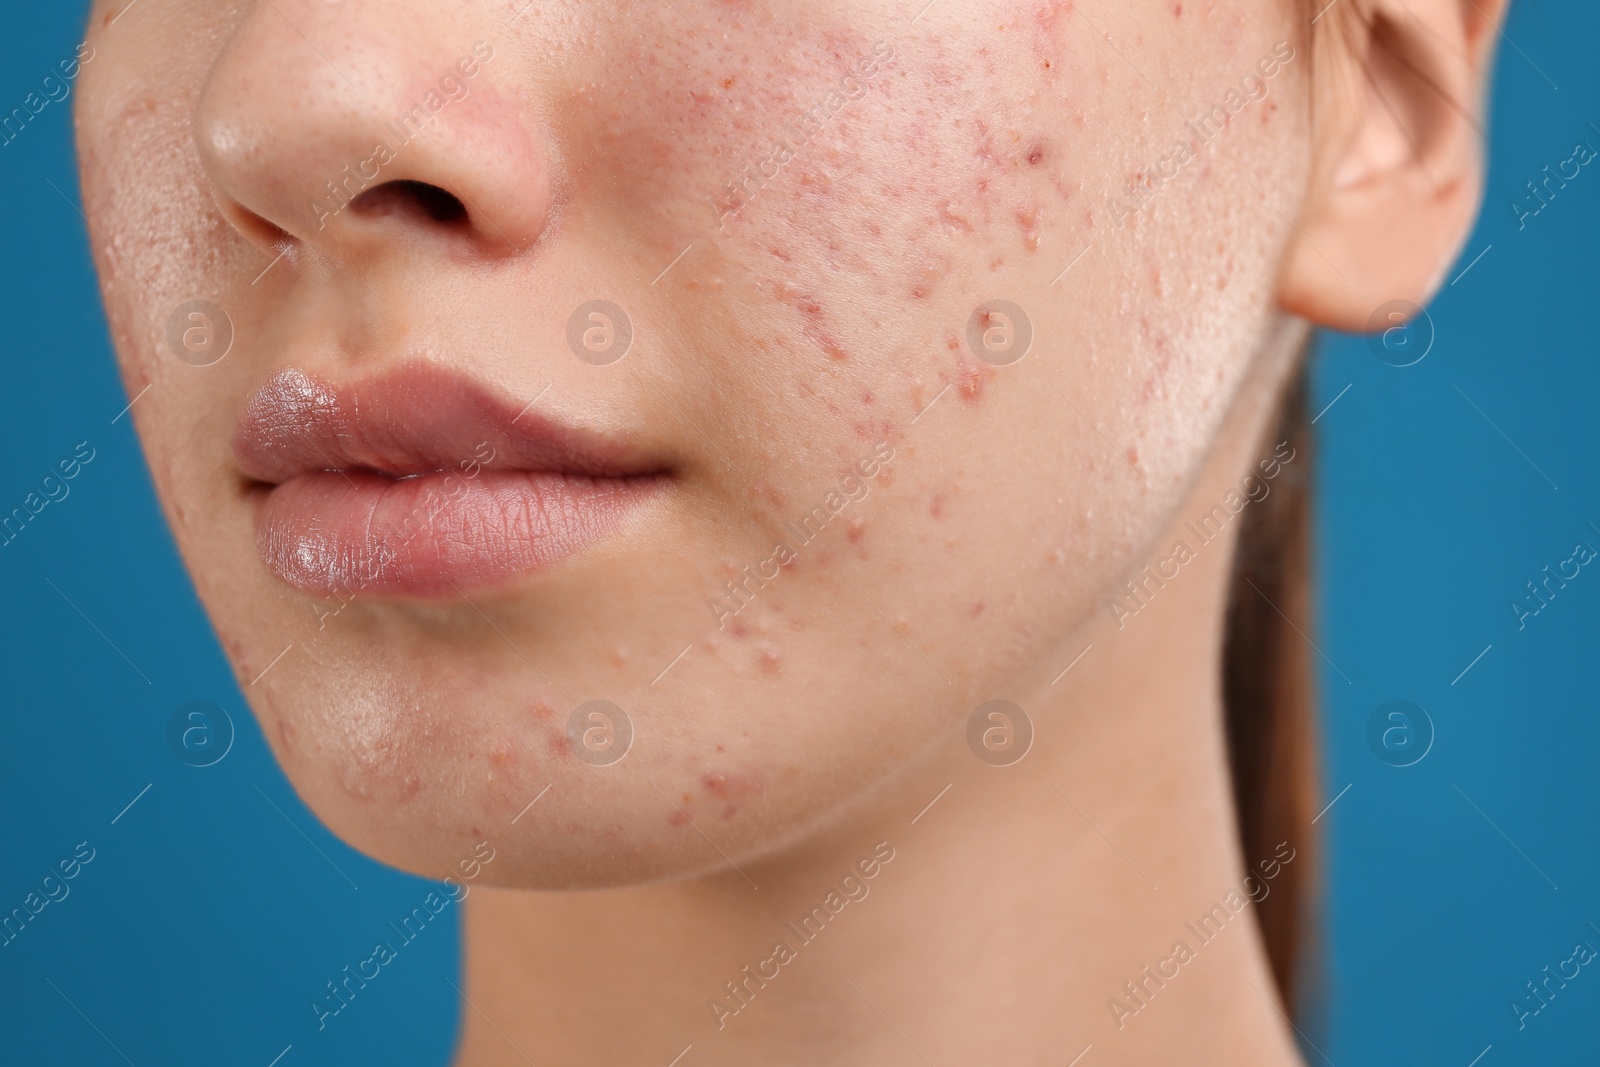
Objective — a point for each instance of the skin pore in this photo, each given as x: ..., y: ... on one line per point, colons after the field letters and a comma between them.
x: 802, y: 210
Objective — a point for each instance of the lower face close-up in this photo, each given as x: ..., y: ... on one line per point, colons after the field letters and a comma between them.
x: 684, y: 471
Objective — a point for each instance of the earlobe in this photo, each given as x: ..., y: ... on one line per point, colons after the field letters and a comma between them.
x: 1399, y: 99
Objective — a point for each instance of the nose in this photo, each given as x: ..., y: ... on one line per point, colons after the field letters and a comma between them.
x: 361, y: 127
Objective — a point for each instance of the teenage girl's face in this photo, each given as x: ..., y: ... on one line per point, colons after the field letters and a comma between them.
x: 792, y: 377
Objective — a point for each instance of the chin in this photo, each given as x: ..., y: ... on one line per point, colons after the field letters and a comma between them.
x: 428, y: 778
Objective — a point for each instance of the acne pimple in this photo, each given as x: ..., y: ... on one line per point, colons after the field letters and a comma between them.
x: 955, y: 218
x: 968, y: 379
x: 923, y: 282
x: 855, y: 529
x: 771, y: 660
x: 726, y: 786
x: 976, y: 609
x: 1028, y: 219
x: 559, y: 747
x: 286, y: 734
x: 771, y: 494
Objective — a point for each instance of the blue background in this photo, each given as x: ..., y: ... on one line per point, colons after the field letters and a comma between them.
x: 216, y: 903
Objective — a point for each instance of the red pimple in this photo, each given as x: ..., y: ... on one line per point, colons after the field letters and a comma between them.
x: 730, y: 787
x: 954, y: 219
x: 286, y: 735
x: 925, y: 280
x: 969, y: 381
x: 771, y: 493
x: 976, y: 609
x: 559, y: 747
x: 937, y: 507
x: 1028, y: 219
x: 816, y: 329
x: 855, y: 529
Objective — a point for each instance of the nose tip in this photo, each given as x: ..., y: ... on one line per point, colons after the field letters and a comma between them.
x: 312, y: 128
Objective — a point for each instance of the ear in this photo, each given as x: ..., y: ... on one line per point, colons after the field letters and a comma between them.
x: 1399, y: 97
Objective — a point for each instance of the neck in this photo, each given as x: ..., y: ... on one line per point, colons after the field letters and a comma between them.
x: 1091, y: 894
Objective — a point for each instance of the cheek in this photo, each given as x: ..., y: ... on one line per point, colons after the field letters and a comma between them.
x: 854, y: 223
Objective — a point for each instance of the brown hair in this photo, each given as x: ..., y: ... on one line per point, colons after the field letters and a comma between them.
x: 1268, y: 676
x: 1269, y: 697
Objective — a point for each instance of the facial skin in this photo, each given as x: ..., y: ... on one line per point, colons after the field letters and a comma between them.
x: 814, y: 317
x: 807, y: 328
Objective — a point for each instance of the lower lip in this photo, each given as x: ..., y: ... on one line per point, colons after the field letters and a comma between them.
x: 435, y: 534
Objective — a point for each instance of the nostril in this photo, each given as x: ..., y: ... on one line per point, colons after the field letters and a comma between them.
x: 406, y: 197
x: 262, y: 231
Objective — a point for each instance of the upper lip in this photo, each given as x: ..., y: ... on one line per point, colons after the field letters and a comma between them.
x: 415, y: 420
